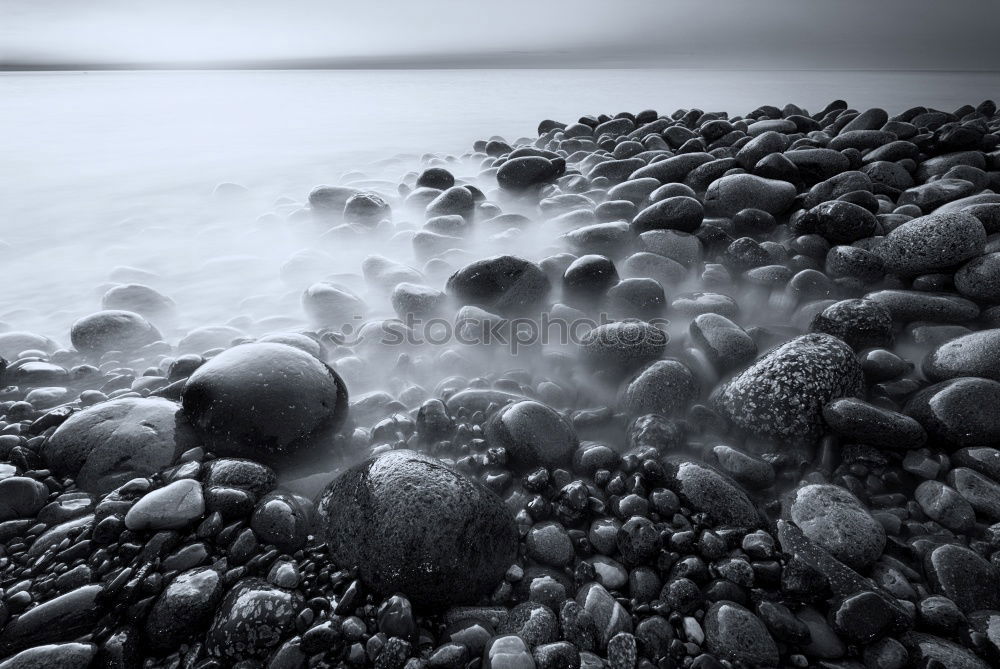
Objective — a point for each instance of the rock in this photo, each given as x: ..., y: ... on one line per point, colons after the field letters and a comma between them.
x: 928, y: 650
x: 674, y: 213
x: 21, y: 497
x: 501, y: 284
x: 548, y: 543
x: 863, y: 617
x: 174, y: 506
x: 366, y: 209
x: 206, y: 338
x: 981, y: 492
x: 610, y: 617
x: 559, y: 655
x: 976, y: 354
x: 839, y: 222
x: 725, y: 344
x: 944, y: 505
x: 183, y: 610
x: 623, y: 346
x: 735, y: 634
x: 533, y: 434
x: 264, y: 401
x: 456, y: 200
x: 782, y: 395
x: 283, y: 520
x: 533, y: 622
x: 932, y: 243
x: 253, y: 618
x: 62, y: 618
x: 745, y: 469
x: 868, y: 424
x: 330, y: 199
x: 861, y: 323
x: 507, y: 652
x: 907, y: 306
x: 732, y: 193
x: 666, y: 386
x: 255, y: 478
x: 958, y: 412
x: 112, y: 331
x: 110, y: 443
x: 53, y: 656
x: 706, y: 490
x: 332, y: 306
x: 835, y: 519
x: 462, y: 533
x: 815, y: 165
x: 416, y: 301
x: 138, y: 298
x: 519, y: 174
x: 13, y: 343
x: 979, y: 279
x: 622, y: 651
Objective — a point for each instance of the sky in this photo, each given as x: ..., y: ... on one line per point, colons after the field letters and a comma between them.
x: 869, y: 34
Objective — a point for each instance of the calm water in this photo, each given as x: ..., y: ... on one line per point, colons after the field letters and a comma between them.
x: 105, y: 170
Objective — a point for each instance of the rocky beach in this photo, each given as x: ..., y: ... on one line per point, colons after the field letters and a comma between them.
x: 646, y: 390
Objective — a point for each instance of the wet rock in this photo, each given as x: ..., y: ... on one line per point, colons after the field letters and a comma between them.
x: 455, y: 201
x: 248, y: 475
x: 665, y: 386
x: 63, y: 618
x: 183, y: 610
x: 979, y: 279
x: 333, y: 306
x: 507, y: 652
x: 283, y: 520
x: 868, y: 424
x: 533, y: 622
x: 264, y: 401
x: 981, y: 492
x: 944, y: 505
x: 931, y: 243
x: 174, y: 506
x: 53, y: 656
x: 330, y: 199
x: 253, y: 618
x: 836, y: 520
x: 929, y: 650
x: 734, y: 633
x: 743, y: 468
x: 609, y: 616
x: 704, y: 489
x: 519, y: 174
x: 21, y: 497
x: 112, y: 331
x: 674, y: 213
x: 839, y: 222
x: 958, y: 412
x: 907, y: 306
x: 735, y: 192
x: 976, y: 354
x: 366, y: 209
x: 501, y: 284
x: 782, y: 395
x: 532, y: 433
x: 105, y: 445
x: 463, y: 534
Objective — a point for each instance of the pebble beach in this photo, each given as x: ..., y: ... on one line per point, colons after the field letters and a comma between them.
x: 656, y: 389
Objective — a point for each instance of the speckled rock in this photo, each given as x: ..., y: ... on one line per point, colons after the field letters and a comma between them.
x: 252, y: 619
x: 105, y: 445
x: 782, y: 395
x: 264, y: 401
x: 464, y: 536
x: 609, y: 616
x: 932, y: 243
x: 861, y: 323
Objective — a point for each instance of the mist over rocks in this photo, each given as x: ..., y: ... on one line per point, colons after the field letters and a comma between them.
x: 647, y: 389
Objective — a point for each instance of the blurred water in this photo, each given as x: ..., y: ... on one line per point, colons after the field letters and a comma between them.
x: 103, y: 170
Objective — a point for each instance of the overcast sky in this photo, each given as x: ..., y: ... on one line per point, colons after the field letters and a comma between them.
x: 917, y: 34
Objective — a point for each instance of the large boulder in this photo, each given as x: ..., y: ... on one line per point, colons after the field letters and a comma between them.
x: 411, y: 524
x: 108, y: 444
x: 264, y: 401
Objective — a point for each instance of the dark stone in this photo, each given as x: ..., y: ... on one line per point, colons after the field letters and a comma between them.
x: 736, y: 634
x: 958, y: 412
x: 976, y: 354
x: 501, y: 284
x: 253, y: 618
x: 835, y: 519
x: 868, y: 424
x: 704, y: 489
x: 861, y: 323
x: 183, y: 609
x: 932, y: 243
x: 112, y: 331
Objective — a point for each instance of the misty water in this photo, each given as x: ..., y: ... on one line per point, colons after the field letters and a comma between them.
x: 109, y: 177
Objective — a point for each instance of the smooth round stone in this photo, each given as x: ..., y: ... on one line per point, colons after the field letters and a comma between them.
x: 112, y: 330
x: 174, y: 506
x: 638, y: 540
x: 183, y: 609
x: 138, y: 298
x: 255, y: 478
x: 929, y: 650
x: 981, y: 492
x: 366, y: 209
x: 734, y: 633
x: 108, y: 444
x: 839, y: 222
x: 264, y: 401
x: 959, y: 412
x: 436, y: 177
x: 456, y: 201
x: 524, y: 173
x: 666, y: 387
x: 725, y: 344
x: 932, y: 243
x: 252, y: 620
x: 704, y: 489
x: 833, y: 518
x: 745, y: 469
x: 868, y: 424
x: 976, y: 354
x: 330, y: 199
x: 732, y: 193
x: 861, y: 323
x: 549, y: 544
x: 329, y: 305
x: 532, y: 433
x: 782, y: 395
x: 208, y: 337
x: 944, y: 505
x: 501, y: 284
x: 696, y: 304
x: 636, y: 298
x: 979, y: 279
x: 53, y: 656
x: 283, y: 520
x: 589, y: 277
x: 984, y: 460
x: 463, y: 534
x: 507, y: 652
x: 623, y: 346
x: 63, y: 618
x: 21, y: 497
x: 907, y: 306
x: 674, y: 213
x: 964, y: 577
x: 13, y: 343
x: 417, y: 301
